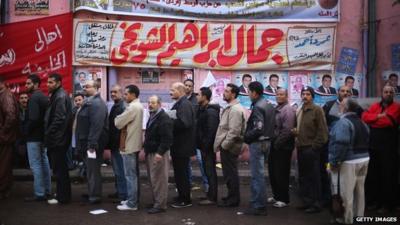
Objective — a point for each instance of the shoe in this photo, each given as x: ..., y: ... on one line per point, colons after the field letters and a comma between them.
x: 312, y: 210
x: 155, y: 210
x: 179, y: 205
x: 123, y: 202
x: 125, y: 207
x: 207, y: 202
x: 255, y: 212
x: 35, y: 199
x: 280, y: 204
x: 228, y: 204
x: 85, y: 196
x: 115, y: 195
x: 224, y: 198
x: 271, y: 200
x: 52, y: 201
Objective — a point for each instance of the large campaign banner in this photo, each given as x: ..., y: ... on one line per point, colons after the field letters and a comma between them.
x: 216, y: 46
x: 227, y: 10
x: 39, y: 46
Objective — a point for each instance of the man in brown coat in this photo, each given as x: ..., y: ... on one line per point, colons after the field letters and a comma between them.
x: 8, y: 134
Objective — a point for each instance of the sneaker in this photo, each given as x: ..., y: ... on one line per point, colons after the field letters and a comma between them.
x: 123, y: 202
x: 179, y: 205
x: 125, y: 207
x: 280, y: 204
x: 271, y: 200
x: 155, y: 210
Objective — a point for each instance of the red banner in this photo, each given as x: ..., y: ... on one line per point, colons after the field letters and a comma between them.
x: 41, y: 46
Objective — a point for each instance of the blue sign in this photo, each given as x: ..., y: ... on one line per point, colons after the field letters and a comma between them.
x: 347, y: 61
x: 396, y: 57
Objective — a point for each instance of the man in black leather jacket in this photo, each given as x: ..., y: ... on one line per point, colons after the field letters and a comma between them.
x: 258, y: 135
x: 58, y: 136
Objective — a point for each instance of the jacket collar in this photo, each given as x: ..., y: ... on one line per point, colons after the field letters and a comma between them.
x: 234, y: 102
x: 308, y: 107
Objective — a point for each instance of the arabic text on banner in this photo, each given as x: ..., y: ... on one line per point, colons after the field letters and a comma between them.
x: 228, y: 10
x: 204, y: 45
x: 39, y: 46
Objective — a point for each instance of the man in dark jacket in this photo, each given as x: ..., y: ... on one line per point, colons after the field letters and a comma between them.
x: 157, y: 143
x: 8, y: 134
x: 258, y: 135
x: 183, y: 145
x: 207, y: 125
x: 91, y: 136
x: 114, y: 139
x: 34, y: 130
x: 58, y: 136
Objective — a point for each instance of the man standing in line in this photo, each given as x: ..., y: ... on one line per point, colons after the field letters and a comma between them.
x: 259, y: 134
x: 113, y: 144
x: 312, y: 134
x: 229, y: 142
x: 280, y: 156
x: 383, y: 119
x: 207, y: 125
x: 91, y: 137
x: 58, y: 136
x: 8, y: 135
x: 130, y: 123
x: 34, y: 130
x: 183, y: 145
x: 158, y: 140
x: 348, y: 154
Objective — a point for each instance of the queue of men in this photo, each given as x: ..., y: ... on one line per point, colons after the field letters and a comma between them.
x: 360, y: 148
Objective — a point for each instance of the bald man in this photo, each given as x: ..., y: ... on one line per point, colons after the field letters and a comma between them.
x: 183, y: 145
x: 113, y: 144
x: 91, y: 137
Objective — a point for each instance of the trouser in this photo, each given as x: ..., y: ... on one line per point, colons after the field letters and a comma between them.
x: 6, y: 176
x: 158, y: 177
x: 229, y: 163
x: 352, y: 179
x: 258, y: 150
x: 279, y: 172
x: 309, y: 176
x: 325, y: 181
x: 60, y: 169
x: 381, y: 181
x: 182, y: 177
x: 209, y: 160
x: 118, y: 169
x: 93, y: 175
x: 132, y: 178
x: 39, y: 164
x: 202, y: 169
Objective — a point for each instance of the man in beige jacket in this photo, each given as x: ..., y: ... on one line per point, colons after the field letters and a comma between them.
x: 229, y: 141
x: 130, y: 123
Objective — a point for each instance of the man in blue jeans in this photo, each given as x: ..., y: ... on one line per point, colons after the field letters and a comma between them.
x: 34, y: 131
x: 258, y: 135
x: 114, y: 138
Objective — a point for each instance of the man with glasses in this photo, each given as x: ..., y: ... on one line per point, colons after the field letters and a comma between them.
x: 91, y: 137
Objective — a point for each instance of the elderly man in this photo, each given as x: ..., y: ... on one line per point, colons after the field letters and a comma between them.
x: 158, y: 140
x: 312, y: 134
x: 8, y: 134
x: 383, y: 118
x: 91, y: 137
x: 348, y: 154
x: 281, y: 151
x: 130, y: 123
x: 183, y: 145
x: 229, y: 142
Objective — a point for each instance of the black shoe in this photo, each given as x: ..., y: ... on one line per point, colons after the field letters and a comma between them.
x: 35, y: 199
x: 312, y: 210
x: 85, y: 196
x: 155, y: 210
x: 113, y: 196
x: 224, y: 199
x: 149, y: 206
x: 179, y: 205
x: 255, y: 212
x: 228, y: 204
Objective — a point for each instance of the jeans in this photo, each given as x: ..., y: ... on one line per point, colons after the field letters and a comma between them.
x: 131, y: 176
x: 203, y: 173
x: 40, y: 167
x: 118, y: 168
x: 257, y: 186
